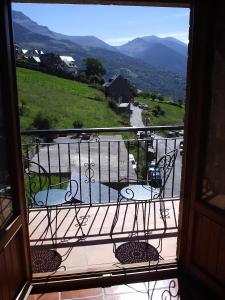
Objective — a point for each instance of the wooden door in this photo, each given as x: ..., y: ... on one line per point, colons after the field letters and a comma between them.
x: 15, y: 271
x: 202, y: 236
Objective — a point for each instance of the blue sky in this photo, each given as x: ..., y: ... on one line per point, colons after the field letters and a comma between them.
x: 115, y: 25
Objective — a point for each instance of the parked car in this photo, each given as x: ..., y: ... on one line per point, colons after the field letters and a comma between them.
x: 132, y: 161
x: 181, y: 133
x: 85, y: 136
x: 141, y: 105
x: 145, y: 135
x: 172, y: 134
x: 154, y: 175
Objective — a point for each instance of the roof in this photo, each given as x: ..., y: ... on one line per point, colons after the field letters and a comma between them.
x: 112, y: 79
x: 36, y: 58
x: 66, y: 58
x: 17, y: 46
x: 24, y: 51
x: 124, y: 105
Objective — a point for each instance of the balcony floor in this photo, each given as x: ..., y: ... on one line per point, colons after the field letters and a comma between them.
x: 94, y: 250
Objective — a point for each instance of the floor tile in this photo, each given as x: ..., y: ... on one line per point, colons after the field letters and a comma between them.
x: 79, y: 294
x: 47, y: 296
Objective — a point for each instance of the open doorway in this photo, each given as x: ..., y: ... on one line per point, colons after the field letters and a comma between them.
x: 120, y: 186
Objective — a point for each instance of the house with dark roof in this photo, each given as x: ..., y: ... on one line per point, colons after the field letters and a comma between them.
x: 60, y: 64
x: 118, y: 89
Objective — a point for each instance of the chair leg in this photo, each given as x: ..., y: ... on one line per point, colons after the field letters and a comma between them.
x: 114, y: 222
x: 49, y: 226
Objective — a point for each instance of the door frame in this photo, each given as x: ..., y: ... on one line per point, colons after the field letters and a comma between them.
x: 17, y: 226
x: 198, y: 70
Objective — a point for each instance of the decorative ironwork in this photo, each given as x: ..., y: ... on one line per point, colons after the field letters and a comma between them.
x: 172, y: 292
x: 105, y: 163
x: 89, y: 172
x: 36, y: 179
x: 166, y: 213
x: 83, y: 220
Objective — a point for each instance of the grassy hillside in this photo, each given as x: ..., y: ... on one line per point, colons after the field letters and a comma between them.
x: 63, y: 100
x: 173, y: 115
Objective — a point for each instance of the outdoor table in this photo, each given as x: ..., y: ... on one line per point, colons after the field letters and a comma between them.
x: 54, y: 198
x: 139, y: 192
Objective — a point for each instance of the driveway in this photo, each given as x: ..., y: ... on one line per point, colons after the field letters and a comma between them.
x: 163, y: 145
x: 136, y: 118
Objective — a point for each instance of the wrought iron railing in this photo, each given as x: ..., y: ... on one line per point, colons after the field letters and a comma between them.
x: 104, y: 160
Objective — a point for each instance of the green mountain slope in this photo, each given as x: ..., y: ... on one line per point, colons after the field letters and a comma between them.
x: 141, y: 74
x: 166, y: 53
x: 63, y: 100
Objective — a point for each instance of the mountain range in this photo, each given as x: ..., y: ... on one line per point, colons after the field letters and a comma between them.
x: 150, y: 63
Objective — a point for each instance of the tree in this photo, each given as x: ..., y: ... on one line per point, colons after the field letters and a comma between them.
x: 94, y: 67
x: 96, y: 79
x: 161, y: 98
x: 153, y: 96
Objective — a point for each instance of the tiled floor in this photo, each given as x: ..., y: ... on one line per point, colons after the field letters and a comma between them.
x: 184, y: 288
x: 85, y: 255
x: 136, y: 291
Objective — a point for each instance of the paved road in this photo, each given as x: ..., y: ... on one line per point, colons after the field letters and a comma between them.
x: 163, y: 145
x: 136, y: 119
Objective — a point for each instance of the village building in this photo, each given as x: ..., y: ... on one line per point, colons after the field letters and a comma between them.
x: 65, y: 64
x: 34, y: 52
x: 34, y: 59
x: 118, y: 89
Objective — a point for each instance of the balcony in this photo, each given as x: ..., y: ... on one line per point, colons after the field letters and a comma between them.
x: 102, y: 163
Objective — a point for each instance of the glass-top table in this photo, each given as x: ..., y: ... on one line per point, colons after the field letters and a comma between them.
x: 139, y: 192
x: 52, y: 197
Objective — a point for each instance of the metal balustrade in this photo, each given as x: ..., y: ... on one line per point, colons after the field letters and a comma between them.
x: 102, y: 162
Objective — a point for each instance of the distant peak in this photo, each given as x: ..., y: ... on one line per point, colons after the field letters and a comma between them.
x: 19, y: 14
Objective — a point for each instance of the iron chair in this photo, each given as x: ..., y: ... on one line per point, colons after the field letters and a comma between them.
x: 40, y: 193
x: 151, y: 192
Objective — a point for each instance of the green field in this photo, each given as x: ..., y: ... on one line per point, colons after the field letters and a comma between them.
x: 173, y: 115
x: 66, y: 101
x: 63, y: 100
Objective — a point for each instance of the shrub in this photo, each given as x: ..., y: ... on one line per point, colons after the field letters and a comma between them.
x: 42, y: 121
x: 161, y: 98
x: 22, y: 107
x: 96, y: 79
x: 154, y: 96
x: 155, y: 112
x: 97, y: 86
x: 112, y: 104
x: 82, y: 77
x: 145, y: 95
x: 77, y: 124
x: 158, y: 111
